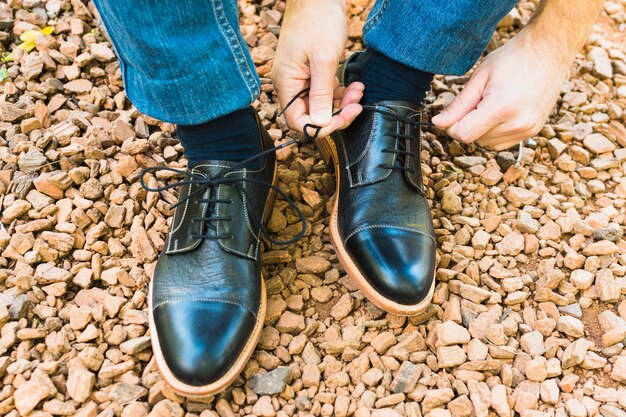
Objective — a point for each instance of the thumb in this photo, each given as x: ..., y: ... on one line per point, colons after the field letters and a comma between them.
x: 465, y: 102
x: 321, y: 92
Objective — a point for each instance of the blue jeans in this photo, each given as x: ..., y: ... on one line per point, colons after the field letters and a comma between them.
x: 186, y: 62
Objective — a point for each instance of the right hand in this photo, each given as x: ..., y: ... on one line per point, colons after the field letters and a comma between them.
x: 312, y: 42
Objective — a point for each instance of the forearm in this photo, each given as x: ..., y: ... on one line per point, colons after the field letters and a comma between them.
x: 563, y: 26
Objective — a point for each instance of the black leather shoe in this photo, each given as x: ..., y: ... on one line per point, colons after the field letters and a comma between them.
x: 207, y: 295
x: 381, y: 225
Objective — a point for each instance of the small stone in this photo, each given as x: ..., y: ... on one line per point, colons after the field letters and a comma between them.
x: 575, y: 408
x: 519, y: 196
x: 311, y: 376
x: 372, y: 377
x: 450, y: 333
x: 406, y: 378
x: 32, y: 161
x: 272, y: 382
x: 451, y: 203
x: 603, y: 247
x: 613, y: 232
x: 342, y: 308
x: 532, y: 343
x: 499, y: 401
x: 536, y: 369
x: 383, y: 341
x: 80, y: 86
x: 512, y: 244
x: 549, y: 391
x: 491, y: 176
x: 619, y: 370
x: 598, y: 143
x: 436, y: 398
x: 575, y: 353
x: 450, y: 356
x: 134, y: 346
x: 123, y: 393
x: 79, y: 383
x: 290, y: 323
x: 321, y: 294
x: 571, y: 326
x: 469, y: 161
x: 312, y: 265
x: 101, y: 52
x: 20, y: 307
x: 581, y: 279
x: 462, y: 407
x: 481, y: 239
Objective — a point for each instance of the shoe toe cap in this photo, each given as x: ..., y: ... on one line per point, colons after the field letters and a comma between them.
x: 397, y: 263
x: 200, y: 340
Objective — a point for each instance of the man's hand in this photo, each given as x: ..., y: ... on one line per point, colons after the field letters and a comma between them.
x: 510, y: 95
x: 312, y: 41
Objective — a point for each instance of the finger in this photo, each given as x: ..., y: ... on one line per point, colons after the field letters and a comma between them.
x: 352, y: 96
x: 343, y: 119
x: 465, y: 102
x: 500, y: 144
x: 286, y: 91
x: 321, y: 92
x: 503, y: 133
x: 296, y: 115
x: 476, y: 123
x: 353, y: 93
x: 347, y: 95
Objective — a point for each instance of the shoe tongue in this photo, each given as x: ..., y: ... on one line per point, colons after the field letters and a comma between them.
x: 214, y: 168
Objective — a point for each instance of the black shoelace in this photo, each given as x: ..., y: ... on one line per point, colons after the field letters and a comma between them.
x: 311, y: 133
x: 400, y: 153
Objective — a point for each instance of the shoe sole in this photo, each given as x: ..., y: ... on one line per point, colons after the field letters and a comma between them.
x: 229, y: 377
x: 329, y: 152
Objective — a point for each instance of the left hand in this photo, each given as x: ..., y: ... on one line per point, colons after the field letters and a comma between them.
x: 509, y: 96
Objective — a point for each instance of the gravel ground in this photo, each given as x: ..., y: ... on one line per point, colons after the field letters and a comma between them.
x: 528, y: 317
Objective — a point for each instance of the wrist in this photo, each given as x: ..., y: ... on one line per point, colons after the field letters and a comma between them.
x: 562, y: 27
x: 547, y: 47
x: 295, y: 6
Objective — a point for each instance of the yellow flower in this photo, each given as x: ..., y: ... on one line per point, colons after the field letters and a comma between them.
x: 28, y: 40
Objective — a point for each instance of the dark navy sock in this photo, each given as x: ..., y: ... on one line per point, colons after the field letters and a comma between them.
x: 386, y: 79
x: 234, y: 137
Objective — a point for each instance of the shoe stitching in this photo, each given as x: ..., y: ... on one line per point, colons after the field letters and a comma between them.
x: 386, y: 226
x: 369, y: 143
x: 207, y: 299
x: 182, y: 219
x: 360, y: 174
x: 220, y: 241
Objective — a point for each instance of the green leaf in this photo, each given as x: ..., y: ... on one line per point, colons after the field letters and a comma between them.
x: 3, y: 74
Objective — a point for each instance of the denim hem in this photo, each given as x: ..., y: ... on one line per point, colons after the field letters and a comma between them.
x: 375, y: 16
x: 182, y: 74
x: 229, y: 33
x: 436, y: 37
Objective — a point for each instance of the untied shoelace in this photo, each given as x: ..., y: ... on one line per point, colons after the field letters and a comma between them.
x: 209, y: 183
